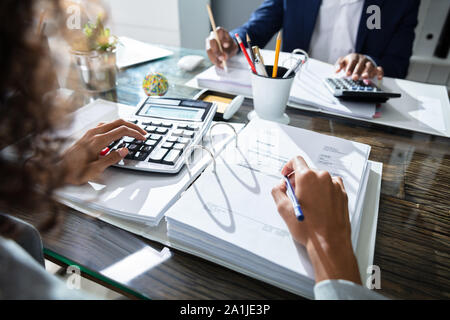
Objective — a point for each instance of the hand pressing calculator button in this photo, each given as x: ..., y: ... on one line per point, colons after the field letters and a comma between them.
x: 172, y: 125
x: 360, y: 90
x: 113, y: 144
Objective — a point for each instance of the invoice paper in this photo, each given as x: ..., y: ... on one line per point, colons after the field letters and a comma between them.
x: 231, y: 213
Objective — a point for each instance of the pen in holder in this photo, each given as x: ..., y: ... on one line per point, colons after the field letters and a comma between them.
x: 270, y: 95
x: 293, y: 60
x: 297, y: 64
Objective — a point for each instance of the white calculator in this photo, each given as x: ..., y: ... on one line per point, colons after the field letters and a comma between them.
x: 172, y: 126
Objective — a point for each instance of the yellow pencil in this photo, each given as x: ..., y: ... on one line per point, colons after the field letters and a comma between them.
x: 213, y: 25
x: 277, y: 55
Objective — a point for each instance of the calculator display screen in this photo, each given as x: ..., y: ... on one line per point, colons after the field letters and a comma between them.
x: 168, y: 112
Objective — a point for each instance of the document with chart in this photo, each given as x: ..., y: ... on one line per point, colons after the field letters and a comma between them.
x: 229, y: 213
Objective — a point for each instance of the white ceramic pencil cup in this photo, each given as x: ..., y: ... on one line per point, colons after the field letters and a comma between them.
x: 270, y: 95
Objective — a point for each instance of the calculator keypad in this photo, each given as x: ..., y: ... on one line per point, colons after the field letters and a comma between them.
x: 158, y: 155
x: 358, y: 91
x: 171, y: 157
x: 164, y: 144
x: 351, y: 85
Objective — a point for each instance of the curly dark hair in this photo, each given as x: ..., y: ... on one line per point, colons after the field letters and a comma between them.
x: 28, y: 111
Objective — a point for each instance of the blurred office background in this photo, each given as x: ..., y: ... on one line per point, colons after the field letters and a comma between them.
x: 185, y: 23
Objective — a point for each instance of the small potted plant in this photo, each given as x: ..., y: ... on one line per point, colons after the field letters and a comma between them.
x: 94, y: 52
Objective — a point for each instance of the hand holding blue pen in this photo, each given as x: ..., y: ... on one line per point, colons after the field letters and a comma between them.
x: 291, y: 194
x: 326, y: 234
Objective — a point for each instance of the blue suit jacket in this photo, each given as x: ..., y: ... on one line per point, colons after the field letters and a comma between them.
x: 390, y: 46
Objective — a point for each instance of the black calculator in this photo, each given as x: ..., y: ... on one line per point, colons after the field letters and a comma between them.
x: 172, y: 125
x: 359, y: 90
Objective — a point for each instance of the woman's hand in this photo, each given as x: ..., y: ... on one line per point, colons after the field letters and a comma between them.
x: 229, y: 46
x: 359, y: 67
x: 82, y: 162
x: 325, y: 231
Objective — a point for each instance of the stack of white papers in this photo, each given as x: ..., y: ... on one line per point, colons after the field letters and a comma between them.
x: 364, y: 250
x: 131, y: 52
x: 229, y: 214
x: 308, y: 88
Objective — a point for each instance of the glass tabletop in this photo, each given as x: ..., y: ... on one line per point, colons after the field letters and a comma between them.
x: 129, y: 82
x: 413, y: 216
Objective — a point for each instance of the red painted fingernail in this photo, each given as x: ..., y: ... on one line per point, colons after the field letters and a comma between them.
x: 104, y: 152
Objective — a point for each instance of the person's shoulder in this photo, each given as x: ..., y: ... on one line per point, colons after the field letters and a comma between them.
x: 8, y: 248
x: 18, y: 270
x: 15, y: 262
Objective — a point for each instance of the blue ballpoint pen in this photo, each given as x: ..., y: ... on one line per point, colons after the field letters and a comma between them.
x: 295, y: 204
